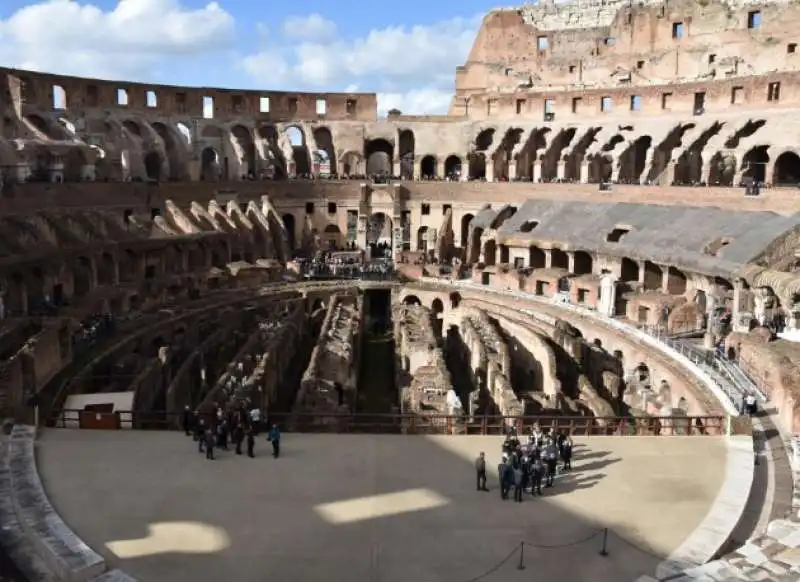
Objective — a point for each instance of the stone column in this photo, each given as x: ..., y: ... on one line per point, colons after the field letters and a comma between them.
x: 417, y: 170
x: 489, y: 171
x: 571, y: 262
x: 561, y: 170
x: 668, y: 175
x: 665, y: 279
x: 88, y: 173
x: 537, y: 171
x: 608, y: 295
x: 56, y: 171
x: 512, y: 169
x: 548, y: 259
x: 615, y: 169
x: 705, y: 173
x: 396, y: 168
x: 584, y: 177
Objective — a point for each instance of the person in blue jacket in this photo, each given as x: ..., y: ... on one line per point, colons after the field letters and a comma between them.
x: 274, y: 437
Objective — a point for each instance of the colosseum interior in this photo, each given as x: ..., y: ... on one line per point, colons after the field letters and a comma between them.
x: 601, y: 236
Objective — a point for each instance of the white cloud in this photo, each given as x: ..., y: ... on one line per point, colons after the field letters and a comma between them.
x: 314, y: 28
x: 419, y: 59
x: 67, y: 37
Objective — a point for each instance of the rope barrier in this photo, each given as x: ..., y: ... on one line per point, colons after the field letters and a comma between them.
x: 520, y: 550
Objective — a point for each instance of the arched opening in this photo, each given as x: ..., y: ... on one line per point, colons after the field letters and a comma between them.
x: 722, y: 169
x: 132, y: 128
x: 289, y: 225
x: 352, y: 165
x: 475, y: 245
x: 629, y: 270
x: 185, y: 133
x: 210, y: 169
x: 787, y: 170
x: 490, y: 253
x: 406, y: 145
x: 437, y: 308
x: 502, y: 155
x: 452, y: 168
x: 411, y: 300
x: 245, y: 149
x: 324, y: 141
x: 275, y: 162
x: 653, y: 276
x: 379, y: 233
x: 477, y: 165
x: 422, y: 239
x: 633, y: 160
x: 427, y: 168
x: 466, y: 220
x: 559, y: 259
x: 171, y: 149
x: 82, y: 277
x: 333, y: 236
x: 755, y: 163
x: 106, y: 270
x: 152, y: 166
x: 74, y: 161
x: 455, y: 300
x: 505, y: 254
x: 300, y: 157
x: 676, y: 281
x: 537, y: 259
x: 600, y: 169
x: 379, y: 154
x: 583, y: 263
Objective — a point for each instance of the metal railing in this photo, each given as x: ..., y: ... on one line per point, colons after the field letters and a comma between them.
x: 411, y: 424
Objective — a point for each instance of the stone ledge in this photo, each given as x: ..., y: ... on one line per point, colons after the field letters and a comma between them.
x: 64, y: 552
x: 114, y: 576
x: 723, y: 517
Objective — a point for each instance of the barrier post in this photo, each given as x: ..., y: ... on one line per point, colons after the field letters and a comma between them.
x: 604, y: 549
x: 521, y: 564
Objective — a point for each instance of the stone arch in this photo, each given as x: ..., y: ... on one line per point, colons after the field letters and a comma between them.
x: 428, y: 167
x: 689, y: 166
x: 552, y: 156
x: 466, y: 220
x: 629, y: 270
x: 379, y: 154
x: 633, y: 161
x: 300, y: 153
x: 379, y: 229
x: 324, y: 140
x: 476, y: 164
x: 352, y: 164
x: 210, y: 168
x: 529, y: 153
x: 754, y: 164
x: 559, y: 259
x: 39, y: 123
x: 662, y: 155
x: 677, y: 281
x: 537, y: 259
x: 583, y: 263
x: 152, y: 166
x: 502, y: 155
x: 490, y: 253
x: 787, y: 169
x: 174, y: 158
x: 317, y: 305
x: 600, y: 169
x: 722, y: 169
x: 406, y: 144
x: 453, y: 167
x: 411, y: 300
x: 437, y: 306
x: 133, y: 128
x: 333, y: 236
x: 455, y: 299
x: 653, y: 276
x: 185, y: 133
x: 245, y: 148
x: 275, y: 160
x: 289, y: 225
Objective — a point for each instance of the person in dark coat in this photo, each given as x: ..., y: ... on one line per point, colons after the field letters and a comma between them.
x: 238, y: 438
x: 187, y: 419
x: 480, y: 470
x: 210, y: 437
x: 519, y: 483
x: 251, y: 442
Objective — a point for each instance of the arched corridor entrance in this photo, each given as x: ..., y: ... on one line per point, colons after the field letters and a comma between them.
x: 787, y: 170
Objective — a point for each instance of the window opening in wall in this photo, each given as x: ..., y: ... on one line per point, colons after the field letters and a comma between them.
x: 180, y: 102
x: 322, y: 107
x: 491, y: 106
x: 712, y: 58
x: 737, y: 95
x: 666, y: 98
x: 154, y: 212
x: 572, y: 68
x: 237, y: 103
x: 151, y: 99
x: 292, y: 105
x: 445, y: 208
x: 122, y: 97
x: 263, y: 105
x: 549, y: 114
x: 208, y: 108
x: 309, y: 208
x: 350, y: 106
x: 791, y: 48
x: 59, y: 97
x: 520, y: 106
x: 541, y: 43
x: 426, y: 209
x: 616, y: 235
x: 92, y: 96
x: 677, y: 30
x: 754, y: 19
x: 609, y: 41
x: 509, y: 72
x: 576, y: 104
x: 639, y: 64
x: 605, y: 104
x: 699, y: 103
x: 636, y: 103
x: 774, y: 91
x: 331, y: 207
x: 528, y: 225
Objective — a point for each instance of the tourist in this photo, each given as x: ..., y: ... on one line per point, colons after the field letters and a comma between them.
x: 480, y: 470
x: 519, y: 483
x: 251, y: 442
x: 187, y: 420
x: 750, y: 404
x: 255, y: 419
x: 275, y: 438
x: 209, y: 444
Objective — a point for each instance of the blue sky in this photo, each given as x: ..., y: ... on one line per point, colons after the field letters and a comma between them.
x: 406, y: 51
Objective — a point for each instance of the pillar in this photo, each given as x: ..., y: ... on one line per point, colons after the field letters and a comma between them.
x: 88, y: 173
x: 490, y: 171
x: 561, y: 170
x: 608, y: 295
x: 417, y: 170
x: 615, y: 169
x: 56, y: 171
x: 668, y: 175
x: 512, y: 170
x: 548, y: 259
x: 571, y: 262
x: 584, y: 177
x: 537, y: 171
x: 705, y: 172
x: 396, y: 168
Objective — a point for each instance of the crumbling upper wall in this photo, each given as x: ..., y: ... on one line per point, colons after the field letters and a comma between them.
x: 554, y: 47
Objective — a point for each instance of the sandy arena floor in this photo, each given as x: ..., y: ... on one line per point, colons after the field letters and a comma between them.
x: 345, y: 508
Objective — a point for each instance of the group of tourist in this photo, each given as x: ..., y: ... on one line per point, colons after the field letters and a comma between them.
x: 524, y: 467
x: 237, y: 426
